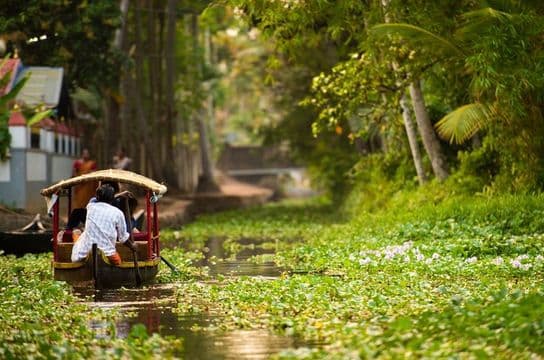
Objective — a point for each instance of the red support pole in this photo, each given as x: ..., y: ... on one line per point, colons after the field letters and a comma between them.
x: 55, y: 227
x: 156, y: 229
x: 149, y: 227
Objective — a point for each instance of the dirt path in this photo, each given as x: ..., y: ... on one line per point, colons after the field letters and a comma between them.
x: 176, y: 209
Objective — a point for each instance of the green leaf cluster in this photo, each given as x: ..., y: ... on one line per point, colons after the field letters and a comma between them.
x: 460, y: 277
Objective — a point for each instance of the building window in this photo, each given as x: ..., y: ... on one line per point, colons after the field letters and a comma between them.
x: 34, y: 138
x: 58, y: 145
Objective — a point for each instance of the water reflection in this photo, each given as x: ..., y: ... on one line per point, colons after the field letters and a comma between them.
x: 153, y: 306
x: 220, y: 262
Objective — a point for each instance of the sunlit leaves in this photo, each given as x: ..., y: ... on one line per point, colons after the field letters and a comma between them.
x: 418, y: 38
x: 462, y: 123
x: 460, y: 277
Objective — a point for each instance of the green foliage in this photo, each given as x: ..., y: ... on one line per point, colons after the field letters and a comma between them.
x: 428, y: 273
x: 43, y: 319
x: 78, y: 36
x: 418, y: 38
x: 463, y: 123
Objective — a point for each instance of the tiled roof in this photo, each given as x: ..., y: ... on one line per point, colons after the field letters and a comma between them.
x: 42, y: 87
x: 13, y: 65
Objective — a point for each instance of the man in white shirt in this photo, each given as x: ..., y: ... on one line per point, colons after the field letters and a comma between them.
x: 104, y: 225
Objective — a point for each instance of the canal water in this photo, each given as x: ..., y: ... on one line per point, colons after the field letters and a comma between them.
x: 154, y: 306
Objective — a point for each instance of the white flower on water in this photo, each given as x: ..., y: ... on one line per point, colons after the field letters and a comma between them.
x: 389, y: 255
x: 420, y: 257
x: 515, y: 263
x: 365, y: 261
x: 435, y: 256
x: 539, y: 258
x: 498, y: 261
x: 471, y: 260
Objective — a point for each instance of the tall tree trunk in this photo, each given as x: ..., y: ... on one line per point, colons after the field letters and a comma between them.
x: 407, y: 117
x: 153, y: 118
x: 428, y: 135
x: 138, y: 88
x: 411, y: 133
x: 126, y: 132
x: 207, y: 180
x: 170, y: 116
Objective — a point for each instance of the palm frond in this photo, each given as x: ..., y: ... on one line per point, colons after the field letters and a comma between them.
x: 478, y: 21
x: 418, y: 37
x: 39, y: 116
x: 461, y: 124
x: 12, y: 94
x: 505, y: 5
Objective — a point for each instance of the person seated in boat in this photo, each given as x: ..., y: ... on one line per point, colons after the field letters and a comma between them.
x: 78, y: 216
x: 105, y: 226
x: 124, y: 201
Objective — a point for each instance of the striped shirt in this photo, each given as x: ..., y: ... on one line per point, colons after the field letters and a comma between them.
x: 105, y: 224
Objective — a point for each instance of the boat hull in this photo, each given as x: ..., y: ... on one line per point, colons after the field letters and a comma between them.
x: 22, y: 242
x: 97, y: 269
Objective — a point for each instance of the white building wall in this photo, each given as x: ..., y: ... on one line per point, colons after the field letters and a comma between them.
x: 66, y: 144
x: 50, y: 142
x: 43, y: 140
x: 5, y: 171
x: 20, y: 137
x: 36, y: 166
x: 61, y: 168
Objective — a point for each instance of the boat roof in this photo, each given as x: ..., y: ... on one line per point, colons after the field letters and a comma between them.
x: 122, y: 176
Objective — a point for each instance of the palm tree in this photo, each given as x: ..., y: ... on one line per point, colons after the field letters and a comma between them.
x: 462, y: 123
x: 430, y: 141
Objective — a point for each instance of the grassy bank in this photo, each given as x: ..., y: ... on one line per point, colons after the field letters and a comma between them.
x: 457, y: 277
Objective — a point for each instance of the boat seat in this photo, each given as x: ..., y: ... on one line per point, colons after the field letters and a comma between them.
x: 126, y: 253
x: 64, y: 251
x: 139, y: 236
x: 67, y: 236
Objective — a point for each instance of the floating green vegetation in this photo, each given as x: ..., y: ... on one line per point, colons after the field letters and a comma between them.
x: 42, y: 319
x: 463, y: 278
x: 183, y: 260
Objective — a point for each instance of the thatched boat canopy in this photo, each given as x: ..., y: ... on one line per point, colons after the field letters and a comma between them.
x: 121, y: 176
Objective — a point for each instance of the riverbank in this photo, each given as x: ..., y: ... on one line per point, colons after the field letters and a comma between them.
x: 175, y: 208
x: 460, y: 278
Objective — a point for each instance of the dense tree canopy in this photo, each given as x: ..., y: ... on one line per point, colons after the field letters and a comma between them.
x: 76, y: 35
x: 474, y: 70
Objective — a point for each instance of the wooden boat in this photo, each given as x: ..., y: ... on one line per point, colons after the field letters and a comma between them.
x: 96, y: 268
x: 33, y: 238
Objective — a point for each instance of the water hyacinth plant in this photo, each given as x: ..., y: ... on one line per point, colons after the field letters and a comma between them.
x: 43, y: 319
x: 461, y: 278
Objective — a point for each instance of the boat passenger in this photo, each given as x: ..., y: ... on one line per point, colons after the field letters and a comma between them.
x: 105, y: 224
x: 77, y: 216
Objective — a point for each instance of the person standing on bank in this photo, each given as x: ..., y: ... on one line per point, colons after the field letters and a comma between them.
x: 81, y: 194
x: 84, y: 192
x: 121, y: 160
x: 104, y: 226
